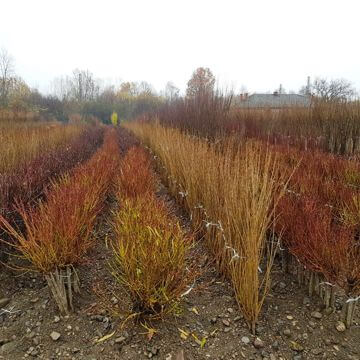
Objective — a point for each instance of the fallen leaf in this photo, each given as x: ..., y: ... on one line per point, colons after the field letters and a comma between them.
x: 104, y: 338
x: 201, y: 342
x: 296, y: 346
x: 195, y: 311
x: 183, y: 334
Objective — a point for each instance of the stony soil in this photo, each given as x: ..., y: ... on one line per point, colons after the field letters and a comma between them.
x: 292, y: 325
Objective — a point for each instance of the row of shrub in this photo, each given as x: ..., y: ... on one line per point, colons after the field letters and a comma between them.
x: 230, y: 191
x: 252, y: 195
x: 27, y: 180
x: 59, y: 230
x: 150, y: 248
x: 319, y: 219
x: 332, y: 127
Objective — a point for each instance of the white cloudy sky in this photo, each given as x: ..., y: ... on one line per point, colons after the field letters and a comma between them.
x: 256, y: 43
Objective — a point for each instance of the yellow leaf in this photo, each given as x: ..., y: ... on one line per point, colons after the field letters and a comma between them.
x: 151, y: 333
x: 194, y: 310
x: 201, y: 342
x: 104, y: 338
x: 183, y: 334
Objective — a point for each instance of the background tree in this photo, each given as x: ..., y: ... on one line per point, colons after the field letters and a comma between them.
x: 330, y: 90
x: 84, y: 86
x: 201, y: 83
x: 128, y: 89
x: 171, y: 91
x: 144, y: 88
x: 7, y: 73
x: 18, y: 95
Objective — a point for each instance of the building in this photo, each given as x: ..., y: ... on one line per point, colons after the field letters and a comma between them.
x: 273, y: 101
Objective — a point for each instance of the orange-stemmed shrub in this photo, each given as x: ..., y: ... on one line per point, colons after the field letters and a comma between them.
x: 59, y: 231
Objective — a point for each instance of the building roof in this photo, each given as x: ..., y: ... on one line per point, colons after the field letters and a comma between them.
x: 275, y: 100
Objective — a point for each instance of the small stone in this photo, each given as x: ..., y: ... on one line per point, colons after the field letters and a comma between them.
x: 114, y: 300
x: 230, y: 310
x: 258, y: 343
x: 8, y: 347
x: 275, y: 345
x: 328, y: 311
x: 56, y: 319
x: 99, y: 318
x: 55, y: 335
x: 287, y: 332
x: 317, y: 351
x: 289, y: 317
x: 340, y: 326
x: 34, y: 352
x: 227, y: 329
x: 282, y: 285
x: 245, y: 339
x: 4, y: 341
x: 306, y: 300
x: 272, y: 357
x: 4, y: 302
x: 154, y: 350
x: 296, y: 346
x: 237, y: 318
x: 316, y: 315
x: 226, y: 322
x: 213, y: 320
x: 75, y: 350
x: 259, y: 330
x: 312, y: 324
x: 120, y: 339
x: 30, y: 335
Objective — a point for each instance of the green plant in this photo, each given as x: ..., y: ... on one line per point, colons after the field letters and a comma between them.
x: 150, y: 251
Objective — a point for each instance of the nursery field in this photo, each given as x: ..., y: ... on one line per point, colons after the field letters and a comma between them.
x: 150, y: 240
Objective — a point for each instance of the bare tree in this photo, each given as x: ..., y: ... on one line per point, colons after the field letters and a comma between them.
x: 171, y: 91
x: 61, y: 88
x: 202, y: 82
x: 145, y: 88
x: 129, y: 89
x: 7, y: 72
x: 83, y: 86
x: 330, y: 90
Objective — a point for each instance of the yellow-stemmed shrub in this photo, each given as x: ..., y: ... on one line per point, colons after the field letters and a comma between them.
x: 230, y: 190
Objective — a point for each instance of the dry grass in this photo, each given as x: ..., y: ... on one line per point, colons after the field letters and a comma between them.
x: 229, y: 190
x: 20, y: 143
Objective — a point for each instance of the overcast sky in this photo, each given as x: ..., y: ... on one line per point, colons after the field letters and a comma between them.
x: 255, y: 43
